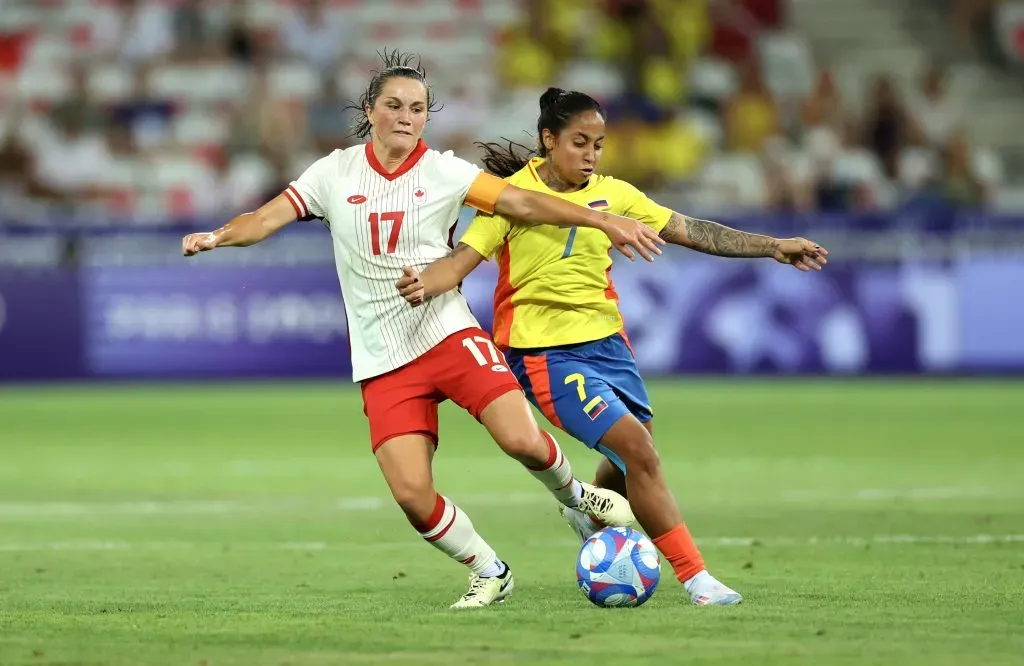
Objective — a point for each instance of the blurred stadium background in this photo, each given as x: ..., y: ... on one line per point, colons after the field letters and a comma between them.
x: 243, y: 522
x: 887, y: 131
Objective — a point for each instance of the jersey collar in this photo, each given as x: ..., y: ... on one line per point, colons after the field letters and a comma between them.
x: 410, y: 162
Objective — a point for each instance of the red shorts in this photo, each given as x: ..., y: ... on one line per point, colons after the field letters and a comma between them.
x: 465, y: 367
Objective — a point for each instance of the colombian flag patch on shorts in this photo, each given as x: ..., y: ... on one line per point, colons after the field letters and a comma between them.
x: 595, y: 407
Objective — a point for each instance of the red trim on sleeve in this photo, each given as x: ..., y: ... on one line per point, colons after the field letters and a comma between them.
x: 291, y: 199
x: 404, y: 168
x: 302, y: 202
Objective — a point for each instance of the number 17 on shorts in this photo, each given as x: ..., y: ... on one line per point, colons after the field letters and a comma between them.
x: 485, y: 353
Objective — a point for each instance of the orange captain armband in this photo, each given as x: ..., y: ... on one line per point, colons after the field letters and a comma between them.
x: 484, y: 192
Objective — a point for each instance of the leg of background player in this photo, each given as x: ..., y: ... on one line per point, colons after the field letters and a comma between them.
x: 406, y: 464
x: 509, y: 420
x: 658, y: 513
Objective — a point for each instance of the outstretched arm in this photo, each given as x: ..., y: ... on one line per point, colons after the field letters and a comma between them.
x: 719, y: 240
x: 439, y: 277
x: 245, y: 229
x: 626, y: 234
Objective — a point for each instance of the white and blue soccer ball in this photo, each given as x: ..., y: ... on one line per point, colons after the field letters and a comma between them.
x: 618, y: 567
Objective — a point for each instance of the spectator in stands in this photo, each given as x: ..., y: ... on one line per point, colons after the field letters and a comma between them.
x: 74, y: 161
x: 886, y: 127
x: 461, y: 123
x: 934, y: 111
x: 263, y: 125
x: 783, y: 191
x: 237, y: 36
x: 329, y: 121
x: 824, y: 106
x: 19, y: 181
x: 80, y: 102
x: 145, y: 114
x: 226, y: 189
x: 968, y: 18
x: 191, y: 30
x: 751, y: 116
x: 959, y: 184
x: 524, y: 59
x: 135, y: 30
x: 311, y: 33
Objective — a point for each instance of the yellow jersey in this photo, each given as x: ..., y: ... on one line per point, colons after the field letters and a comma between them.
x: 554, y: 284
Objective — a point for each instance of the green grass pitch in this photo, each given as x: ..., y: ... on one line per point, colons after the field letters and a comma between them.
x: 872, y: 522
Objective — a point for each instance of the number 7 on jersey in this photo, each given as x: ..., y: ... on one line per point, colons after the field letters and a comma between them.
x: 395, y: 218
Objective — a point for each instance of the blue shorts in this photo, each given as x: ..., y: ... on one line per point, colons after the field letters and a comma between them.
x: 585, y: 388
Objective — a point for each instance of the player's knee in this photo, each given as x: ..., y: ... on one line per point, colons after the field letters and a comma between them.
x: 526, y: 447
x: 416, y: 497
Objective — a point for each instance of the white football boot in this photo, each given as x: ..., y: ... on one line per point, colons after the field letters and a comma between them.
x: 486, y: 591
x: 605, y: 506
x: 706, y: 590
x: 582, y: 524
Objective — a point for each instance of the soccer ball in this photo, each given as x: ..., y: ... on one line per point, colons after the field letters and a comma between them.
x: 618, y: 566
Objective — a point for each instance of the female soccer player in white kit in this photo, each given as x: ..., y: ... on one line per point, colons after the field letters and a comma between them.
x: 394, y: 203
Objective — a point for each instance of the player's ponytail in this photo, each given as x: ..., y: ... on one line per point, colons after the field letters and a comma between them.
x: 503, y: 160
x: 394, y: 64
x: 557, y: 109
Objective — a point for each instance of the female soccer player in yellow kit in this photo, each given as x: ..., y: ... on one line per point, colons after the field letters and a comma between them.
x: 556, y: 315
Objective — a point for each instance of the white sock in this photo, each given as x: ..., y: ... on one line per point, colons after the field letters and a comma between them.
x: 556, y: 475
x: 451, y: 531
x: 495, y: 569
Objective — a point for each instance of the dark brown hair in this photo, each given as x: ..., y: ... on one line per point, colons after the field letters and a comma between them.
x: 557, y: 109
x: 395, y: 64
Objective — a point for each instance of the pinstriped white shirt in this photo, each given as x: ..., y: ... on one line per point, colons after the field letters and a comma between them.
x: 379, y: 223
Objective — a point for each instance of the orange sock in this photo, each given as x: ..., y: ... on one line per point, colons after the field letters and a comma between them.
x: 681, y: 552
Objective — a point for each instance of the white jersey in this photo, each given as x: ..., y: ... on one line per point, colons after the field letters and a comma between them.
x: 381, y: 222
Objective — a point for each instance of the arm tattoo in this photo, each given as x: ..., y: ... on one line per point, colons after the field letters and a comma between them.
x: 717, y: 239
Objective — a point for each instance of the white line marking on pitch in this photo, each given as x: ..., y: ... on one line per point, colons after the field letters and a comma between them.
x: 223, y: 507
x: 188, y: 507
x: 937, y: 493
x: 725, y: 542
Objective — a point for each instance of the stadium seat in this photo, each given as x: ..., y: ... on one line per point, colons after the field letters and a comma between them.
x: 916, y: 165
x: 42, y: 82
x: 110, y: 82
x: 787, y: 64
x: 294, y: 80
x: 707, y: 126
x: 858, y: 165
x: 50, y: 50
x: 1009, y: 199
x: 737, y: 180
x: 201, y: 127
x: 18, y: 17
x: 712, y: 79
x: 987, y: 165
x: 597, y: 79
x: 211, y: 83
